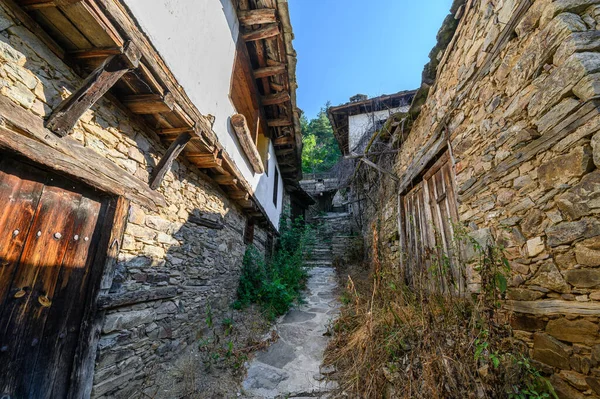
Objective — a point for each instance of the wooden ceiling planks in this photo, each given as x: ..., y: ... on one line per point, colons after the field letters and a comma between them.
x: 273, y: 60
x: 85, y: 32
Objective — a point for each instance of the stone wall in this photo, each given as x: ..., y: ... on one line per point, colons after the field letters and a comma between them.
x: 161, y: 249
x: 515, y: 95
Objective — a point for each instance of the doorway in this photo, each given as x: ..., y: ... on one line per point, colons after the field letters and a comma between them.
x: 50, y: 233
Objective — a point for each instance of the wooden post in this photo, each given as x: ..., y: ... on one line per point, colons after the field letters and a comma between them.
x: 165, y: 163
x: 68, y: 112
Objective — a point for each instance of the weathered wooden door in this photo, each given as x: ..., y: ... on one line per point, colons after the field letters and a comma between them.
x: 49, y: 233
x: 430, y: 213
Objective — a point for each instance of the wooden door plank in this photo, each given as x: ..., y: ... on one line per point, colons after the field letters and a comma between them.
x: 55, y: 359
x: 103, y: 269
x: 25, y: 316
x: 20, y: 190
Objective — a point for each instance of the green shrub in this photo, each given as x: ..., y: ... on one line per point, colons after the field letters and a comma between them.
x: 277, y: 283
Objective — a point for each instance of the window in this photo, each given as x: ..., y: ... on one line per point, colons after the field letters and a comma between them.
x: 249, y: 232
x: 276, y: 187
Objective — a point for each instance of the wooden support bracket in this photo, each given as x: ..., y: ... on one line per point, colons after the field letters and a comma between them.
x: 225, y: 180
x: 257, y: 17
x: 267, y: 71
x: 68, y: 112
x: 165, y: 163
x: 149, y: 103
x: 238, y: 121
x: 265, y: 32
x: 277, y: 98
x: 279, y: 122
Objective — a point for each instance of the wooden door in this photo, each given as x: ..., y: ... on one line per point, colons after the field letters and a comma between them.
x: 430, y: 214
x: 49, y: 234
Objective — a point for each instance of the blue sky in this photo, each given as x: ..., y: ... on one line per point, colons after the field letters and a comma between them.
x: 371, y: 47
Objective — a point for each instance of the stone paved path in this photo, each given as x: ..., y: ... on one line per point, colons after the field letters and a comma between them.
x: 291, y: 368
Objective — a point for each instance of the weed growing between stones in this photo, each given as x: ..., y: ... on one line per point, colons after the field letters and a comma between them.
x: 400, y: 339
x: 275, y: 284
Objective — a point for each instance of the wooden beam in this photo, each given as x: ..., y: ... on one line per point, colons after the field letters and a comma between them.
x: 205, y: 161
x: 276, y: 98
x: 25, y: 135
x: 240, y: 126
x: 247, y: 204
x: 265, y: 32
x: 149, y: 103
x: 225, y: 180
x: 238, y: 195
x: 37, y: 4
x: 95, y: 53
x: 257, y: 17
x: 554, y: 307
x: 375, y: 166
x: 268, y: 71
x: 284, y: 152
x: 68, y: 112
x: 283, y: 140
x: 279, y: 122
x: 165, y: 163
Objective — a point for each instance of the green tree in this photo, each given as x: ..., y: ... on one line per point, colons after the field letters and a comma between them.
x: 320, y: 151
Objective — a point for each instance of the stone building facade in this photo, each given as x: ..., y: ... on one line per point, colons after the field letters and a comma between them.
x: 172, y: 253
x: 512, y: 106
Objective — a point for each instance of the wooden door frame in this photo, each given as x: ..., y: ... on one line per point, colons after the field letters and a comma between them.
x: 103, y: 270
x: 100, y: 281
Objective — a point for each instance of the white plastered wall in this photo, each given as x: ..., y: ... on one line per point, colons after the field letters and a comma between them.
x: 197, y: 40
x: 359, y: 125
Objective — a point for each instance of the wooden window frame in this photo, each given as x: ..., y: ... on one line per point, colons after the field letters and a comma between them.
x: 276, y: 187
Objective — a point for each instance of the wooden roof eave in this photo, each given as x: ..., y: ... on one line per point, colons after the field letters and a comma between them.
x: 110, y: 23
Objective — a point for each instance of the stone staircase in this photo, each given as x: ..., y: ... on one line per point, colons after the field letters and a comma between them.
x: 332, y: 238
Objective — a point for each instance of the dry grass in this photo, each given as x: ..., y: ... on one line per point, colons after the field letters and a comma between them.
x: 392, y: 341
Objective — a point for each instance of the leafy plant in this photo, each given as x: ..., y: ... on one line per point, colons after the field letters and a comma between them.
x: 276, y: 284
x: 320, y: 150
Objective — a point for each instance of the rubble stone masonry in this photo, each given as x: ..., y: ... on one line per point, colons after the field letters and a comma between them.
x: 516, y: 96
x: 195, y: 266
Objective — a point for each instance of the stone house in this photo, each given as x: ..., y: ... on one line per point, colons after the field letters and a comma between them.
x: 143, y: 145
x: 503, y: 138
x: 356, y: 121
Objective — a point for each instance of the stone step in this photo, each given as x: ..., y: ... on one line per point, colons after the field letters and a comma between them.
x: 318, y: 263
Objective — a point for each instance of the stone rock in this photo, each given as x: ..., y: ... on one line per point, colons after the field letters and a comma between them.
x: 565, y: 261
x: 559, y: 82
x: 278, y: 355
x: 136, y: 214
x: 562, y: 168
x: 523, y: 294
x: 587, y: 252
x: 577, y: 380
x: 535, y: 246
x: 583, y: 278
x: 557, y: 114
x: 577, y: 331
x: 564, y: 390
x: 596, y: 149
x: 125, y: 320
x: 136, y: 155
x: 594, y: 383
x: 567, y: 232
x: 158, y: 223
x: 549, y: 277
x: 550, y: 351
x: 530, y: 226
x: 588, y: 87
x: 20, y: 93
x: 583, y: 198
x: 525, y: 322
